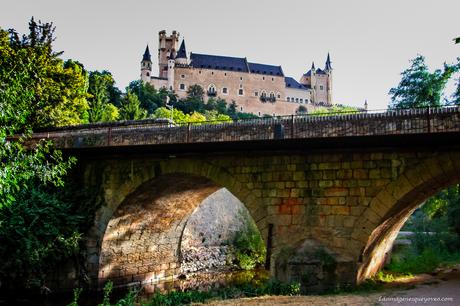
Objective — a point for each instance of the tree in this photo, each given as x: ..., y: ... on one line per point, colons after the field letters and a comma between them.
x: 195, y: 92
x: 149, y: 97
x: 334, y: 110
x: 101, y: 85
x: 36, y: 89
x: 130, y: 108
x: 302, y: 110
x: 419, y: 87
x: 58, y: 87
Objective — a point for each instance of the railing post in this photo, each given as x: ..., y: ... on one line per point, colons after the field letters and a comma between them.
x: 188, y: 132
x: 109, y: 136
x: 428, y: 120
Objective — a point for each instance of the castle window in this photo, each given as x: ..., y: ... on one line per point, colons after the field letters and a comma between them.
x: 273, y: 79
x: 263, y: 78
x: 259, y: 114
x: 199, y: 71
x: 279, y: 96
x: 182, y: 86
x: 297, y: 100
x: 241, y: 78
x: 320, y: 87
x: 241, y: 85
x: 212, y: 90
x: 240, y: 92
x: 241, y: 108
x: 170, y: 88
x: 212, y: 72
x: 225, y: 90
x: 256, y: 93
x: 272, y: 96
x: 288, y: 99
x: 148, y: 74
x: 225, y: 73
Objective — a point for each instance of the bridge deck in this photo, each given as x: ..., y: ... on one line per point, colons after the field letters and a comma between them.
x: 341, y: 126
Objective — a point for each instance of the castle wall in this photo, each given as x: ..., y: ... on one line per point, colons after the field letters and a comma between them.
x: 234, y: 81
x: 321, y: 88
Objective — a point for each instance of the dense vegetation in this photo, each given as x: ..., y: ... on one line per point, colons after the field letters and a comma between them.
x: 436, y: 239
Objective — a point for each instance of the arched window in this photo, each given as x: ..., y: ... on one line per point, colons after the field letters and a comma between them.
x: 212, y: 90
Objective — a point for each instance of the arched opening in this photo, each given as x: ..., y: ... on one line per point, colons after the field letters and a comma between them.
x: 168, y: 226
x: 390, y: 210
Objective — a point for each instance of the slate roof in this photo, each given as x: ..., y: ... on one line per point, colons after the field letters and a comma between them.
x: 219, y: 62
x: 265, y: 69
x: 292, y: 83
x: 147, y: 56
x: 319, y: 71
x: 182, y: 53
x: 229, y: 63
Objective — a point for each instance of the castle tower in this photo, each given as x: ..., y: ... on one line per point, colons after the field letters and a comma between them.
x: 146, y: 65
x: 313, y: 82
x: 328, y: 70
x: 170, y: 72
x: 166, y: 46
x: 181, y: 56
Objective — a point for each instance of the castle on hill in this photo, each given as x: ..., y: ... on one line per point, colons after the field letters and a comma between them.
x: 256, y: 88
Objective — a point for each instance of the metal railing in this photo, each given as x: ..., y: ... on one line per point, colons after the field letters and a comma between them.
x: 342, y: 124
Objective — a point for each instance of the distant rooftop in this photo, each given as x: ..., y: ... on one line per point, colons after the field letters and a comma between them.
x: 229, y: 63
x: 292, y: 83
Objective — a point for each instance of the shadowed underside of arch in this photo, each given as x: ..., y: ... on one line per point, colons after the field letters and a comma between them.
x: 396, y: 203
x: 142, y: 239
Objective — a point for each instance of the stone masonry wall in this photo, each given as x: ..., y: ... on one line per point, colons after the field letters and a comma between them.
x: 344, y: 201
x: 301, y: 127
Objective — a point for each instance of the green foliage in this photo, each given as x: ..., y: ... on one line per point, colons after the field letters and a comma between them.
x: 270, y: 287
x: 57, y: 89
x: 76, y: 297
x: 431, y: 245
x: 39, y: 230
x: 335, y: 110
x: 195, y: 92
x: 107, y: 291
x: 150, y: 98
x: 102, y: 90
x: 301, y: 110
x: 249, y: 247
x: 131, y: 109
x: 445, y: 204
x: 419, y: 87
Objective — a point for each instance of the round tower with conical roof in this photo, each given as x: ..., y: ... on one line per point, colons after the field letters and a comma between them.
x: 328, y: 70
x: 146, y: 65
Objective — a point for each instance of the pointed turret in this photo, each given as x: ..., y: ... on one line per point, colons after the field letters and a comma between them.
x: 313, y: 66
x: 328, y: 62
x: 146, y: 65
x: 182, y: 53
x: 147, y: 57
x: 181, y: 56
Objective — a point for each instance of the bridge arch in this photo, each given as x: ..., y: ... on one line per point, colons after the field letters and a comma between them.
x: 138, y: 234
x: 377, y: 227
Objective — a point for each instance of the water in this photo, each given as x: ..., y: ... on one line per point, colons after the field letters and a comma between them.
x: 202, y: 281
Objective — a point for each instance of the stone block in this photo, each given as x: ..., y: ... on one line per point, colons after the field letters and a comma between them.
x: 335, y: 192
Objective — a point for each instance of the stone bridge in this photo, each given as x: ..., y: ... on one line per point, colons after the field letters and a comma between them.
x: 328, y: 194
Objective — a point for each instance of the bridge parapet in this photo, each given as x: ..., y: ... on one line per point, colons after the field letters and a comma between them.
x: 393, y: 122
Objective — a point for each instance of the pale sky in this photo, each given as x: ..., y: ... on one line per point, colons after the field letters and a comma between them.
x: 370, y: 42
